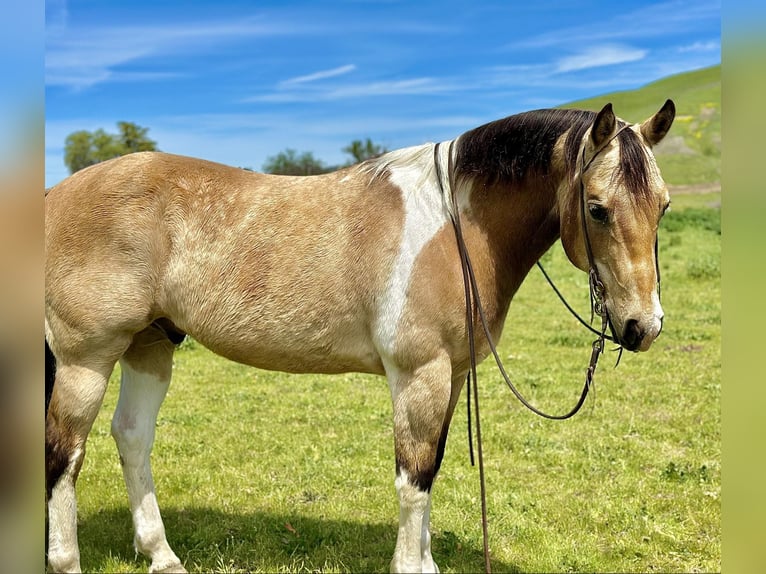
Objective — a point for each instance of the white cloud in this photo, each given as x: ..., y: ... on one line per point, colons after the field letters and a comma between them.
x: 82, y: 57
x: 597, y: 56
x: 392, y: 88
x: 407, y: 87
x: 650, y: 20
x: 321, y: 75
x: 711, y: 46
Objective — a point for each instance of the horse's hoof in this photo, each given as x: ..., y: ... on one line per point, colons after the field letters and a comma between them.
x: 177, y: 568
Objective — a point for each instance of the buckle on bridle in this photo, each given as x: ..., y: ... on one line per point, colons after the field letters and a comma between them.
x: 597, y: 295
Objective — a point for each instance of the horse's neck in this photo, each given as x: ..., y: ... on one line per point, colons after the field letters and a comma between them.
x: 517, y: 226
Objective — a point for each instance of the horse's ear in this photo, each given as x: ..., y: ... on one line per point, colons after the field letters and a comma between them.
x: 655, y: 128
x: 603, y: 127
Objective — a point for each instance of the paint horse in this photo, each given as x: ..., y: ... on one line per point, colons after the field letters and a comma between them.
x: 356, y: 270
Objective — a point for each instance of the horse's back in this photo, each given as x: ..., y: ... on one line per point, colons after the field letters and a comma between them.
x: 263, y: 269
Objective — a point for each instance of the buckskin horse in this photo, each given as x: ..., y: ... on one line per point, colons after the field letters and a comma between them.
x: 356, y: 270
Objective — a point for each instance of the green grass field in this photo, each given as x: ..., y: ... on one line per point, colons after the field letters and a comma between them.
x: 262, y: 471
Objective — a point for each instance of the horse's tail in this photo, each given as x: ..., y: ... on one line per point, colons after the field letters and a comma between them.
x: 50, y: 375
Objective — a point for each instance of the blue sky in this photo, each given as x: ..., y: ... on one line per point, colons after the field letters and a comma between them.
x: 237, y: 82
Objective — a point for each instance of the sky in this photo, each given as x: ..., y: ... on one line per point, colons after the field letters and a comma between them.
x: 238, y: 82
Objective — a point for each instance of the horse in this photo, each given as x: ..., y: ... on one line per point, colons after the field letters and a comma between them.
x: 355, y: 270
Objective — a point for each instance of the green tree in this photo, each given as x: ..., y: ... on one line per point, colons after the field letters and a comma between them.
x: 133, y: 138
x: 289, y: 162
x: 83, y: 148
x: 362, y: 150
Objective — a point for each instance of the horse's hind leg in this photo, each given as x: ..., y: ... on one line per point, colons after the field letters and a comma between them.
x: 146, y: 369
x: 74, y: 403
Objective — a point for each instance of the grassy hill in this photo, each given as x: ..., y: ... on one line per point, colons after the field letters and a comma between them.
x: 691, y: 153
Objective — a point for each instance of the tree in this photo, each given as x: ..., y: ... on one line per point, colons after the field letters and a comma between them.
x: 83, y: 148
x: 362, y: 150
x: 133, y: 138
x: 288, y: 162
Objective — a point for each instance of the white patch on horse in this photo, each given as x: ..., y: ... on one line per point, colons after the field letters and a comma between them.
x: 63, y: 551
x: 413, y: 541
x: 133, y: 425
x: 425, y: 213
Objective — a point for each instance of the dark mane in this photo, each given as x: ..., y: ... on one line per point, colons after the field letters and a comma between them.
x: 510, y: 150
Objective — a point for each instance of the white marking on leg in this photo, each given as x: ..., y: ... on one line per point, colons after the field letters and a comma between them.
x: 63, y: 551
x: 428, y: 564
x: 413, y: 506
x: 133, y: 426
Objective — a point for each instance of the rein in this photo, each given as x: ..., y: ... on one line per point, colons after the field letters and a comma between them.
x: 474, y: 308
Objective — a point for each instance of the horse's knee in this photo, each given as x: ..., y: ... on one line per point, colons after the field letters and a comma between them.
x: 419, y: 443
x: 410, y: 494
x: 422, y: 402
x: 62, y: 466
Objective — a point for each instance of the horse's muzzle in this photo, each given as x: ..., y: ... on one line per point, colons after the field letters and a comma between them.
x: 632, y: 335
x: 636, y: 336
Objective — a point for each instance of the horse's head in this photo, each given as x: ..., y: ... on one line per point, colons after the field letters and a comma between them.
x: 616, y: 210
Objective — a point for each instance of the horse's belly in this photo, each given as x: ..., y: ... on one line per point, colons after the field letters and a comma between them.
x: 338, y: 354
x: 281, y: 334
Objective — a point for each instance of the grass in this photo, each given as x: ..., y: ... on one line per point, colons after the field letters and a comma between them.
x: 268, y: 472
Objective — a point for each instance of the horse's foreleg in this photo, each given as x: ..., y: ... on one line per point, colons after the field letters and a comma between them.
x: 146, y: 369
x: 76, y: 397
x: 423, y: 406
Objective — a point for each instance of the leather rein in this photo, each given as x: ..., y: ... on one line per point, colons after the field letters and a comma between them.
x: 474, y: 310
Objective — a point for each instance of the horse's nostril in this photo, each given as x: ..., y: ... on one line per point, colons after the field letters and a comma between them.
x: 632, y: 335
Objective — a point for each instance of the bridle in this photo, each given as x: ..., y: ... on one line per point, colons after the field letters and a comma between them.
x: 474, y: 308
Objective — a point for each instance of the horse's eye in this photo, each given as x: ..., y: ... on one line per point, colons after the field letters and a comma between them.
x: 598, y: 212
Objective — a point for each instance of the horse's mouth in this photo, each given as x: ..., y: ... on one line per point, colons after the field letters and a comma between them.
x: 634, y: 347
x: 630, y: 343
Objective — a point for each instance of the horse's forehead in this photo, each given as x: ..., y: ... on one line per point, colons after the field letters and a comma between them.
x: 608, y: 177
